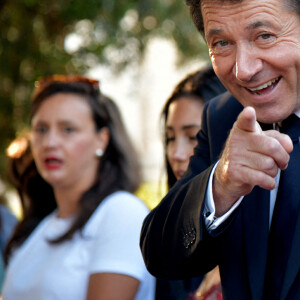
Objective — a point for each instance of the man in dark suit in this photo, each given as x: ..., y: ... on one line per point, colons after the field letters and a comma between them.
x: 238, y: 204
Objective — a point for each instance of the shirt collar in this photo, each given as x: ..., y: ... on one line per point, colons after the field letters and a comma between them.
x: 297, y: 113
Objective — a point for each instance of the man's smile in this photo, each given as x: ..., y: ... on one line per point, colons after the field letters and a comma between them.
x: 264, y: 87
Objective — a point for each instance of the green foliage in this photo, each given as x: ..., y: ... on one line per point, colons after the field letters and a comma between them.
x: 34, y: 35
x: 151, y: 193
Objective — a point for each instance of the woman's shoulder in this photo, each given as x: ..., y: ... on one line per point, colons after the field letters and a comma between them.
x: 117, y: 208
x: 124, y: 200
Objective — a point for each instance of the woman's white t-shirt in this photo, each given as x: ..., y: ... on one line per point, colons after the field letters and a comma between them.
x: 109, y: 242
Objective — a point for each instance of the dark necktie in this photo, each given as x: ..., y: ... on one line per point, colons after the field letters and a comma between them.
x: 284, y: 215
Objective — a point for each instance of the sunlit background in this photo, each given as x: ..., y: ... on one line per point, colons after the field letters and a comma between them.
x: 138, y: 50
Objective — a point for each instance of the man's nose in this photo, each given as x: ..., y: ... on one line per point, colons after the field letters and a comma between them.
x: 247, y: 63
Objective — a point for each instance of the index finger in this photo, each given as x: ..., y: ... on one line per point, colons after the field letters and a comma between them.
x: 247, y: 120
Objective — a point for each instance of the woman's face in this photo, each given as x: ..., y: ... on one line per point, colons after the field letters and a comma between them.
x: 64, y: 140
x: 182, y: 125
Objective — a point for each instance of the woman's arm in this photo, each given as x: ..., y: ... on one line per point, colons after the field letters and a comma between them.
x: 117, y: 269
x: 112, y: 286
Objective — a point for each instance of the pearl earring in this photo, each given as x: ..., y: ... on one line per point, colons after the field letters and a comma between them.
x: 99, y: 152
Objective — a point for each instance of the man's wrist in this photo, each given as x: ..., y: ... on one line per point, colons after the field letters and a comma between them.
x: 222, y: 201
x: 212, y: 221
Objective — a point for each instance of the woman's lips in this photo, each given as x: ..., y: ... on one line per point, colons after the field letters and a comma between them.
x: 53, y: 163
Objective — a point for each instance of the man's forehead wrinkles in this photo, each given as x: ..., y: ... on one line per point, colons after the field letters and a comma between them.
x: 252, y: 26
x: 214, y: 31
x: 258, y: 24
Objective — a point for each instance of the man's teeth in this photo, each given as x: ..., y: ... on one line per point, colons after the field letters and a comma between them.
x: 263, y: 86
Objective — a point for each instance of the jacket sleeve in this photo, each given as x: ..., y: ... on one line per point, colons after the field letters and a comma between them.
x: 174, y: 240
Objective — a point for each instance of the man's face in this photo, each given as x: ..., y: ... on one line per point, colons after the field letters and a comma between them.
x: 255, y: 51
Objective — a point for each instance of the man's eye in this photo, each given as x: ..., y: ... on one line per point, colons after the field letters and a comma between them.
x: 266, y: 36
x: 221, y: 43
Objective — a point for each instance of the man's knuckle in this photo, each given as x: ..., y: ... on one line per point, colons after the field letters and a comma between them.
x: 272, y: 146
x: 269, y: 164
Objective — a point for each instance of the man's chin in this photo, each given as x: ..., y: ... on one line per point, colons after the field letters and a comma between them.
x: 266, y: 116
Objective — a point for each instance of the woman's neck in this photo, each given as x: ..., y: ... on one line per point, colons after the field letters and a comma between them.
x: 67, y: 202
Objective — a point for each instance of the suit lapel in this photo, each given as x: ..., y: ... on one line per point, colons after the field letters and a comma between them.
x: 256, y: 224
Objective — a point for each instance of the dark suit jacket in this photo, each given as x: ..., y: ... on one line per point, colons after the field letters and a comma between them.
x: 175, y: 242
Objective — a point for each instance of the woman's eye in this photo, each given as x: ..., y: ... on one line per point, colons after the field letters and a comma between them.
x: 193, y: 138
x: 69, y: 129
x: 170, y: 139
x: 40, y: 129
